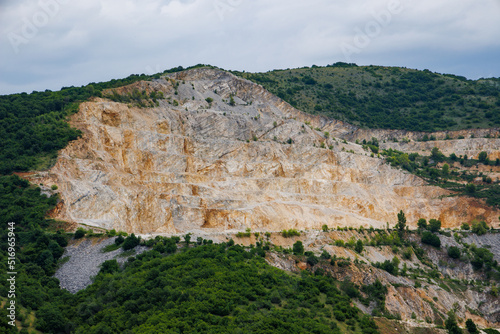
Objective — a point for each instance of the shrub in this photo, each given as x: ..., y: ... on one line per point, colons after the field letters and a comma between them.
x: 339, y: 315
x: 451, y: 324
x: 483, y: 157
x: 454, y: 252
x: 434, y: 225
x: 431, y: 239
x: 80, y: 233
x: 359, y: 246
x: 325, y: 255
x: 290, y: 233
x: 470, y: 188
x: 324, y: 228
x: 298, y: 248
x: 479, y: 228
x: 422, y: 223
x: 109, y: 266
x: 465, y: 227
x: 407, y: 253
x: 471, y: 326
x: 54, y: 187
x: 312, y: 260
x: 209, y: 100
x: 131, y: 242
x: 119, y: 240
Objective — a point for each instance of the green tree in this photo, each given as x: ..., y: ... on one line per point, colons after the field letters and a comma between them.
x: 451, y: 324
x: 470, y: 188
x: 324, y: 228
x: 80, y: 233
x: 359, y: 246
x: 431, y: 239
x: 401, y: 221
x: 50, y: 319
x: 325, y: 255
x: 471, y: 326
x: 119, y: 240
x: 109, y: 266
x: 187, y: 239
x: 434, y: 225
x: 479, y: 228
x: 298, y: 248
x: 130, y: 242
x: 483, y: 157
x: 422, y: 223
x: 436, y: 155
x: 454, y: 252
x: 446, y: 170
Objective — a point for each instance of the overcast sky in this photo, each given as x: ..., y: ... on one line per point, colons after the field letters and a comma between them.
x: 49, y: 44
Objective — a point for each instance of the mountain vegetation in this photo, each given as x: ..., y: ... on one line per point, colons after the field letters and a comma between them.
x: 33, y: 127
x: 387, y: 97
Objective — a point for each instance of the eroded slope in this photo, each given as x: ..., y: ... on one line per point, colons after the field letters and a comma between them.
x: 222, y: 153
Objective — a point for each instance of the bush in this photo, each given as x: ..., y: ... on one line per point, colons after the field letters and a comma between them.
x: 131, y: 242
x: 465, y: 227
x: 434, y: 225
x: 407, y: 253
x: 119, y: 240
x: 290, y: 233
x: 483, y: 157
x: 80, y: 233
x: 479, y: 228
x: 470, y: 188
x: 431, y: 239
x: 324, y: 228
x: 422, y: 223
x: 471, y: 326
x: 298, y: 248
x: 54, y: 187
x: 325, y: 255
x: 109, y: 266
x: 339, y: 315
x: 359, y: 246
x: 312, y: 260
x: 454, y: 252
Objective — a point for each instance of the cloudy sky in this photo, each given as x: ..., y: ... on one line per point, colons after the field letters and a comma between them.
x: 49, y: 44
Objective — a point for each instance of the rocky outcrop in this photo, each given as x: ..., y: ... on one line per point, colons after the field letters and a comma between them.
x: 220, y: 153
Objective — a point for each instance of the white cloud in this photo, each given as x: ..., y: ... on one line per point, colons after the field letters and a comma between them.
x: 99, y: 40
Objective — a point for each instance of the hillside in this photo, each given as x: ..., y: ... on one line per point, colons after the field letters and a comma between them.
x: 218, y: 153
x: 387, y: 97
x: 249, y: 183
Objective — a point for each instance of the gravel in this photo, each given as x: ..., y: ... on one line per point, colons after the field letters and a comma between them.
x: 85, y: 258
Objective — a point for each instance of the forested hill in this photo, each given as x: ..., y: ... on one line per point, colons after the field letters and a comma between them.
x: 33, y: 127
x: 387, y: 97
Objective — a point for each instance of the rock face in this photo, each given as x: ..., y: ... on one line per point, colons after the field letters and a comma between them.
x: 245, y: 160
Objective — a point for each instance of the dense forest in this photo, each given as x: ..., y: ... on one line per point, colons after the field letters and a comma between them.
x: 387, y: 97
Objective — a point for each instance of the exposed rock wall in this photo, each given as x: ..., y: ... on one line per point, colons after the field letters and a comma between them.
x: 247, y: 159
